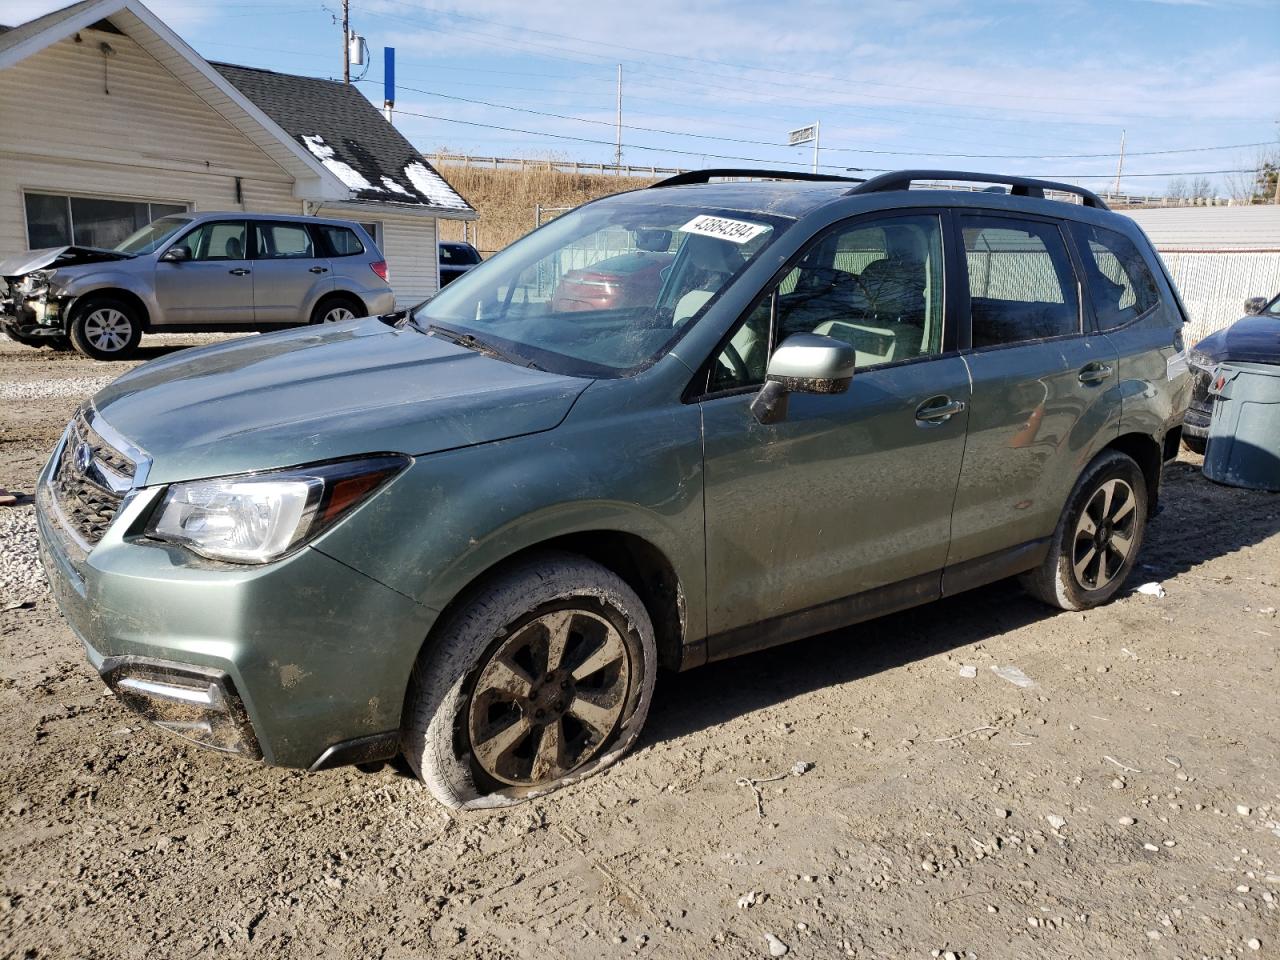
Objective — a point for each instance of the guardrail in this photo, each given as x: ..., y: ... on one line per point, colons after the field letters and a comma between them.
x: 564, y: 166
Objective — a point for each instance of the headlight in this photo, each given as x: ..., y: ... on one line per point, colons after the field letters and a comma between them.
x: 1201, y: 360
x: 258, y: 518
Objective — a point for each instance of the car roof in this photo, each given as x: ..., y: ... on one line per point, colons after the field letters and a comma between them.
x: 801, y: 197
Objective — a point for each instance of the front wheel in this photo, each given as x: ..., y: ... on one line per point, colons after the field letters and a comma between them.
x: 105, y: 328
x: 1096, y: 543
x: 543, y: 678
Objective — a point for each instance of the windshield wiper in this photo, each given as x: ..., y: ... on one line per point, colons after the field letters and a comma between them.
x: 472, y: 342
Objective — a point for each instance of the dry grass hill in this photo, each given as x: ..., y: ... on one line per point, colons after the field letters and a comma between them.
x: 507, y: 197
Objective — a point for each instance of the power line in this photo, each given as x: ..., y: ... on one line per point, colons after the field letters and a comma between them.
x: 830, y: 166
x: 910, y: 152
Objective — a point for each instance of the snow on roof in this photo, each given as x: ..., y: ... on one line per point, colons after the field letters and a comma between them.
x: 348, y: 135
x: 430, y: 184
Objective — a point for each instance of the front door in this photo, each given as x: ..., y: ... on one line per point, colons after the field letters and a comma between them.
x: 215, y: 286
x: 289, y: 275
x: 852, y: 492
x: 1045, y: 396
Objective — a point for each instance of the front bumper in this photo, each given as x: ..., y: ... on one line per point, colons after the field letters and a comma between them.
x: 303, y: 662
x: 1196, y: 422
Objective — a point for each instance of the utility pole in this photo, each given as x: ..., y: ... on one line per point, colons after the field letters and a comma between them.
x: 617, y: 150
x: 1119, y: 167
x: 346, y: 42
x: 817, y: 132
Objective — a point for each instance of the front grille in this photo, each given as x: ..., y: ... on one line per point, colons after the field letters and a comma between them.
x: 86, y: 498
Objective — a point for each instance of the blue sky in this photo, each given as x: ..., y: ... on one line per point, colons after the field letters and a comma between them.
x: 1024, y: 87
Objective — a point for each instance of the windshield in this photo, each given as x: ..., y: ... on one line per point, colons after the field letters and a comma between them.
x: 602, y: 291
x: 152, y: 235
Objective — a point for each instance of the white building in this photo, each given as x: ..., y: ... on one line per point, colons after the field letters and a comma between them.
x: 1218, y: 256
x: 110, y: 120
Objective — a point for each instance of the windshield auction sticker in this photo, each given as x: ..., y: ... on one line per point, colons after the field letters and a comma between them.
x: 722, y: 228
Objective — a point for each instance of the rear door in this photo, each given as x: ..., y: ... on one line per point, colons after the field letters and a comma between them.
x: 851, y: 492
x: 215, y: 286
x: 1143, y: 325
x: 289, y: 273
x: 1044, y: 384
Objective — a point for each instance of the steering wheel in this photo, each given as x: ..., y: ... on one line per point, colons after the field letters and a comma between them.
x: 730, y: 357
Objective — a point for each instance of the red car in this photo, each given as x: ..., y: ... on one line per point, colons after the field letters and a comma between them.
x: 627, y: 280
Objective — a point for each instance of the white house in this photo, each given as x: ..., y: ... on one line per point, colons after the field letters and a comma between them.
x: 110, y: 120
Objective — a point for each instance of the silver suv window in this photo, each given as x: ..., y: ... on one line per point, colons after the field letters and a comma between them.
x: 219, y: 240
x: 283, y: 241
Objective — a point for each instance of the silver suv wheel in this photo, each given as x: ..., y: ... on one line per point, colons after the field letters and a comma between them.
x: 338, y: 313
x: 108, y: 329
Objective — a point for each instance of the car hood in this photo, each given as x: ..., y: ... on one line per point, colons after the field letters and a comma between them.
x: 323, y: 393
x: 1254, y: 339
x: 57, y: 258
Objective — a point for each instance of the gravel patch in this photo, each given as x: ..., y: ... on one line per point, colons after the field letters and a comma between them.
x: 21, y: 578
x: 62, y: 388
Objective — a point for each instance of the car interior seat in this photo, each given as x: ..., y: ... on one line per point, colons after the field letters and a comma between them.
x: 234, y: 249
x: 713, y: 262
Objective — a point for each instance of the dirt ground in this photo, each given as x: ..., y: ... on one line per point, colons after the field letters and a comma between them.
x: 928, y: 823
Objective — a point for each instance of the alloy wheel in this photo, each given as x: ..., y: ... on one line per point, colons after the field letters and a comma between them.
x: 1104, y: 535
x: 338, y: 314
x: 548, y: 697
x: 108, y: 329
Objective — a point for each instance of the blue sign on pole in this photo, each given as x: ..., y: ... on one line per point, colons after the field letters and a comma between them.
x: 389, y: 75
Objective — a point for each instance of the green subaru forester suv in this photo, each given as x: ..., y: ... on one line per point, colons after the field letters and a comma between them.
x: 672, y: 426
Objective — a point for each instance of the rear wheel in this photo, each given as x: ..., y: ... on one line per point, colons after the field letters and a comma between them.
x: 1195, y: 444
x: 105, y: 328
x: 335, y: 309
x: 1096, y: 543
x: 542, y: 679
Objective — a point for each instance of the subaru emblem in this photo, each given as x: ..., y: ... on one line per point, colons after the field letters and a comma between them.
x: 83, y: 457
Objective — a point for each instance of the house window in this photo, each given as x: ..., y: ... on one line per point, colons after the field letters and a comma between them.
x: 374, y: 229
x: 56, y: 220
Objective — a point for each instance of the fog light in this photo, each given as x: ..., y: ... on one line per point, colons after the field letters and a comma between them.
x: 196, y: 703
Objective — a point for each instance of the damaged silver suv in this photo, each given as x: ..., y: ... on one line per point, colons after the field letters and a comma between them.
x: 672, y: 426
x: 187, y: 273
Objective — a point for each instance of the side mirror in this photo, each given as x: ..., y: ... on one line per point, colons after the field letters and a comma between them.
x: 1255, y: 305
x: 804, y: 363
x: 176, y: 254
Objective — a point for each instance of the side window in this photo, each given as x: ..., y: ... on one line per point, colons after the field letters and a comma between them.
x: 1121, y: 286
x: 1021, y: 284
x: 283, y: 241
x: 342, y: 241
x: 223, y: 240
x: 877, y: 285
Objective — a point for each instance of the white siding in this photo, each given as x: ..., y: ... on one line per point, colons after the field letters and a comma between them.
x: 1211, y: 228
x: 149, y: 138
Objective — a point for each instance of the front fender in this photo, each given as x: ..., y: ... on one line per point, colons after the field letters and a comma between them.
x: 455, y: 515
x: 76, y: 288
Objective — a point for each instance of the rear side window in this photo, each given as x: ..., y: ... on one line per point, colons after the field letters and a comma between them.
x: 1121, y: 286
x: 283, y: 241
x: 342, y: 241
x: 1021, y: 284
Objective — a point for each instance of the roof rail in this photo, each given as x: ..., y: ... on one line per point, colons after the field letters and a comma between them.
x: 1018, y: 186
x: 705, y: 176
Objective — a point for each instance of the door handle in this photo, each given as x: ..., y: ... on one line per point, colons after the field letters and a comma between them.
x: 937, y: 410
x: 238, y: 272
x: 1095, y: 372
x: 319, y: 269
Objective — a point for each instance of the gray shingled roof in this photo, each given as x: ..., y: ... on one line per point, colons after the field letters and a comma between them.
x: 348, y: 134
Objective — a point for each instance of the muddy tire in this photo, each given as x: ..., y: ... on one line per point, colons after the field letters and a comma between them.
x: 105, y: 328
x: 543, y: 677
x: 1098, y: 537
x: 1196, y: 445
x: 337, y: 307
